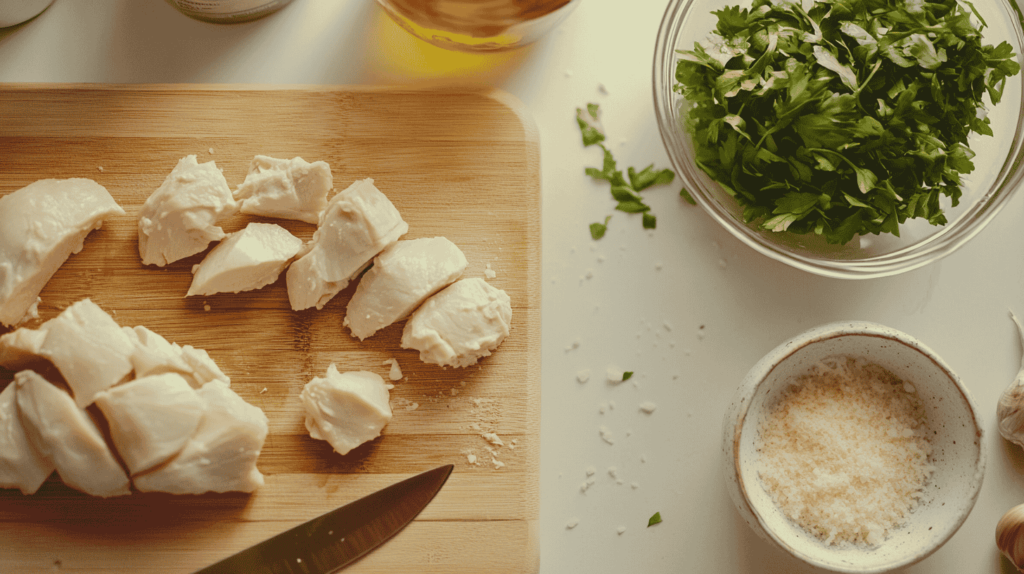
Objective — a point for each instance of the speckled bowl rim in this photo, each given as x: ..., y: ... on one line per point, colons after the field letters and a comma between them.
x: 763, y: 369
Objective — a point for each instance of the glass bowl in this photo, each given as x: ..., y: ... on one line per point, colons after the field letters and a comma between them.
x: 999, y: 164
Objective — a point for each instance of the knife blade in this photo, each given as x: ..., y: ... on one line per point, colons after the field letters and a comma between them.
x: 333, y: 540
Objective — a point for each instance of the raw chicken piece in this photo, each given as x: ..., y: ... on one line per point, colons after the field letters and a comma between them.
x: 41, y: 225
x: 178, y: 219
x: 221, y: 455
x: 151, y: 419
x: 288, y: 189
x: 89, y: 349
x: 154, y: 355
x: 20, y: 348
x: 248, y: 259
x: 346, y: 409
x: 65, y: 433
x: 459, y: 325
x: 359, y: 222
x: 22, y: 466
x: 401, y: 278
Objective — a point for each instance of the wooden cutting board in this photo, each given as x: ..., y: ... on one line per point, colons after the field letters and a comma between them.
x: 464, y: 165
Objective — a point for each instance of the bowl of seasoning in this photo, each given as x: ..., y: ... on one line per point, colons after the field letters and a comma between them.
x: 854, y: 448
x: 840, y: 139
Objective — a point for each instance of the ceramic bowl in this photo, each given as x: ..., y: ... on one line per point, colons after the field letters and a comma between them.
x: 958, y: 453
x: 998, y: 173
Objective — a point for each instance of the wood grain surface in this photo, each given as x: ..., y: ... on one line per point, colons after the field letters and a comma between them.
x: 464, y: 165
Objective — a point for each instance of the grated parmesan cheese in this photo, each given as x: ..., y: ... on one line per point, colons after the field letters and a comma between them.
x: 845, y: 451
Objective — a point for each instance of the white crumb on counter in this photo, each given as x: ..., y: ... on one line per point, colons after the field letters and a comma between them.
x: 497, y: 463
x: 591, y: 470
x: 648, y: 407
x: 489, y: 273
x: 590, y: 274
x: 583, y: 375
x: 613, y: 472
x: 206, y: 307
x: 512, y: 445
x: 586, y: 484
x: 621, y: 529
x: 606, y: 435
x: 615, y: 374
x: 666, y: 325
x: 574, y: 345
x: 396, y: 372
x: 634, y: 485
x: 658, y: 266
x: 210, y: 150
x: 572, y: 523
x: 100, y: 168
x: 264, y: 390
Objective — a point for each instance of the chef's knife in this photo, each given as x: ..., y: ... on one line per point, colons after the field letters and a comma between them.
x: 333, y: 540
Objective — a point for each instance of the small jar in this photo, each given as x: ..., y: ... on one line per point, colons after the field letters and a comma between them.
x: 14, y: 12
x: 227, y: 11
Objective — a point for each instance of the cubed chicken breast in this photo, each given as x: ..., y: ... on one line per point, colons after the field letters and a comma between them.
x: 22, y: 466
x: 285, y: 188
x: 178, y: 219
x: 221, y: 455
x: 151, y: 419
x: 19, y: 349
x: 41, y: 225
x: 248, y: 259
x: 346, y: 409
x: 359, y: 223
x: 89, y: 349
x: 153, y: 355
x: 63, y: 432
x: 401, y: 278
x: 459, y: 325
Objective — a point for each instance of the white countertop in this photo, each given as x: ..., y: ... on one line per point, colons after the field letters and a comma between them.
x: 687, y: 307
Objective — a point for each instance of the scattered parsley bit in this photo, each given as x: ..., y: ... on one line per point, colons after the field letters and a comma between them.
x: 626, y: 192
x: 847, y: 118
x: 686, y: 195
x: 655, y: 519
x: 597, y: 230
x: 626, y: 375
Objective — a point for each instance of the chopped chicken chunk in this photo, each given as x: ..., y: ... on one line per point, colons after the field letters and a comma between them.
x: 248, y: 259
x: 22, y: 466
x: 41, y: 225
x: 153, y: 355
x: 62, y: 431
x: 459, y: 325
x: 401, y: 278
x: 359, y: 223
x: 346, y: 409
x: 151, y: 418
x: 178, y: 219
x: 89, y: 349
x: 221, y: 455
x: 19, y: 349
x: 288, y: 189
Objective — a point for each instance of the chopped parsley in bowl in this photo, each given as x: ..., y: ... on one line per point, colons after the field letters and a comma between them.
x: 856, y: 138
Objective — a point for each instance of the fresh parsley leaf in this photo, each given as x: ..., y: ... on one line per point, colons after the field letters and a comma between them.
x: 590, y: 126
x: 626, y: 375
x: 597, y: 230
x: 625, y: 192
x: 655, y: 519
x: 683, y: 193
x: 842, y: 120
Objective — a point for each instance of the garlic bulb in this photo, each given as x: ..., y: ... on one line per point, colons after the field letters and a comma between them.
x: 1010, y: 410
x: 1010, y: 535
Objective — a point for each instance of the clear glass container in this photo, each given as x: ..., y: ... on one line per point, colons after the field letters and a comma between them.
x: 478, y: 25
x: 999, y: 164
x: 227, y: 11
